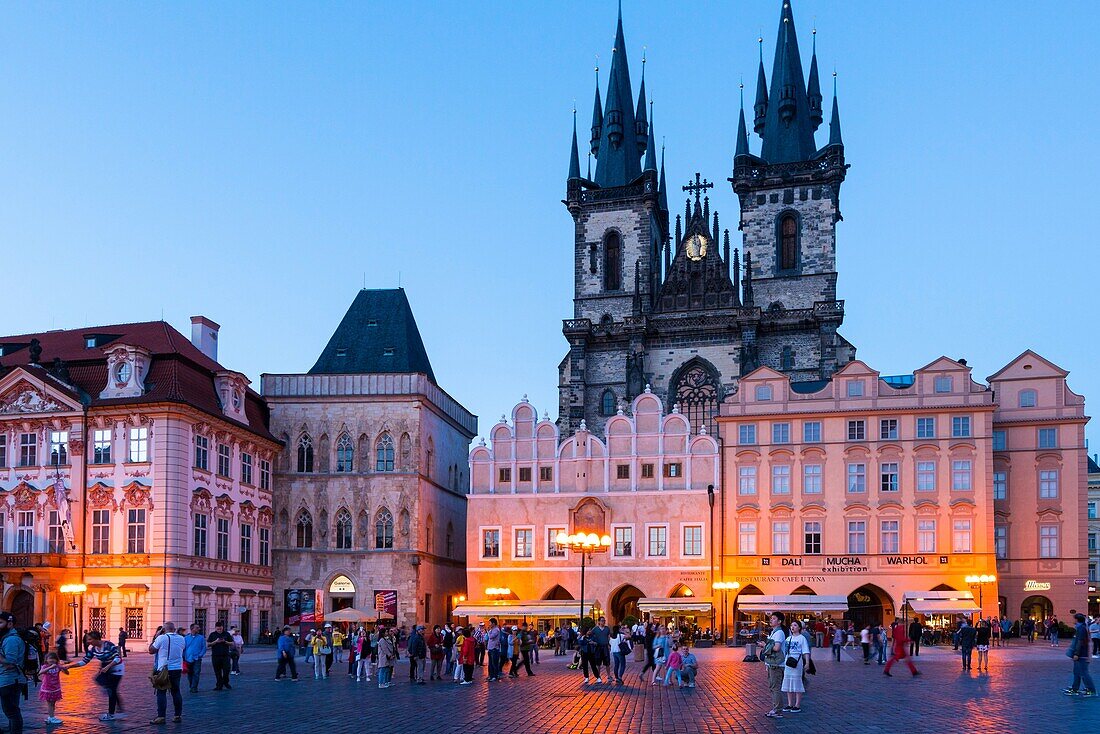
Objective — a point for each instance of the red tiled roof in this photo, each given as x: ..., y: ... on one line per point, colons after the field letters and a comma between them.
x: 178, y: 371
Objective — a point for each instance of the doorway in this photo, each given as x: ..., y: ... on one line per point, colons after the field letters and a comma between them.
x: 866, y: 606
x: 22, y: 608
x: 246, y: 625
x: 624, y: 603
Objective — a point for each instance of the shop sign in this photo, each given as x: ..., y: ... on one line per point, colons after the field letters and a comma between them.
x: 1080, y: 582
x: 906, y: 561
x: 845, y: 564
x: 341, y: 585
x: 1031, y: 585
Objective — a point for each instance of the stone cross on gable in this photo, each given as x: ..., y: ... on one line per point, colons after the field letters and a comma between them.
x: 698, y: 187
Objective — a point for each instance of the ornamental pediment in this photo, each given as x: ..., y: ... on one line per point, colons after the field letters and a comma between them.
x: 21, y: 396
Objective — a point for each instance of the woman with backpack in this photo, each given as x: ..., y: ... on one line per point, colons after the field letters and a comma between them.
x: 620, y: 648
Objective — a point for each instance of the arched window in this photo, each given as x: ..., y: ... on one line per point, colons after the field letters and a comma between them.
x: 788, y: 242
x: 696, y: 392
x: 787, y: 360
x: 450, y: 540
x: 612, y: 262
x: 607, y: 403
x: 383, y: 453
x: 305, y: 454
x: 343, y: 530
x: 429, y: 541
x: 304, y: 537
x: 429, y: 458
x: 345, y: 454
x: 383, y: 530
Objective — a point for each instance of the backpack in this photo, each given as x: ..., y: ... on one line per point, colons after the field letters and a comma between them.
x: 31, y: 641
x: 449, y: 639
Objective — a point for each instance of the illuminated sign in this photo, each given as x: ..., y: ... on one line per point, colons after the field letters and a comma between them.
x: 1030, y: 585
x: 341, y: 585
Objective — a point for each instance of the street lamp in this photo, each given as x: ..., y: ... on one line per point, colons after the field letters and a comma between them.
x: 76, y: 591
x: 585, y: 544
x: 980, y: 581
x: 725, y: 587
x: 498, y: 593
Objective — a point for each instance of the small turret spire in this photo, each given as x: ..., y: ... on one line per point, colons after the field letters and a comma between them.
x: 641, y: 124
x: 742, y: 130
x: 662, y: 189
x: 715, y: 228
x: 679, y: 232
x: 813, y: 91
x: 597, y: 118
x: 834, y: 122
x: 651, y: 147
x: 726, y: 250
x: 747, y: 283
x: 735, y: 274
x: 574, y: 155
x: 760, y: 108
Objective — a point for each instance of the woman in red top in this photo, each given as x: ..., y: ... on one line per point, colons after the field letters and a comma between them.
x: 466, y: 657
x: 900, y: 650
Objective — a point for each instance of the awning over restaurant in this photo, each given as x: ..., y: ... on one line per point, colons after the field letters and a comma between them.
x: 941, y: 602
x: 673, y: 605
x: 792, y: 603
x: 519, y: 608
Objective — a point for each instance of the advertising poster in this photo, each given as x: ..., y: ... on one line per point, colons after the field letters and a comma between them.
x: 300, y: 606
x: 385, y: 601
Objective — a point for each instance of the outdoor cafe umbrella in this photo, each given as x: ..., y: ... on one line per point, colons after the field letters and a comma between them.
x: 354, y: 615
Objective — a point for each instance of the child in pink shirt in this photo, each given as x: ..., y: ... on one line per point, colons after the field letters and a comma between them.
x: 675, y: 661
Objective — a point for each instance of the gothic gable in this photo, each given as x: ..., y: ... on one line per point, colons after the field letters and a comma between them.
x: 697, y: 278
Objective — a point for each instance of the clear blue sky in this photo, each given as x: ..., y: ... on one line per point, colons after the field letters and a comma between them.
x: 252, y: 161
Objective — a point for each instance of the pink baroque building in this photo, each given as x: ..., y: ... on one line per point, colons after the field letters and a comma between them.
x: 889, y: 491
x: 647, y: 485
x: 137, y: 469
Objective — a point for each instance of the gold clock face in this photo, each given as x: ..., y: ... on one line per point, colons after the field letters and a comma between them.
x: 697, y: 247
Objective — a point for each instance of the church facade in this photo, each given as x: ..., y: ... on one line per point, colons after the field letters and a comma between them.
x: 664, y: 301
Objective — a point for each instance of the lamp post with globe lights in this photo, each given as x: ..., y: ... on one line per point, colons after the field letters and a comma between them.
x: 585, y: 544
x: 979, y: 582
x: 725, y: 587
x: 75, y: 591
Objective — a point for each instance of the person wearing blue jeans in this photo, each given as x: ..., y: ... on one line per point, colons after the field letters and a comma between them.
x: 492, y: 644
x: 168, y: 651
x: 1079, y: 652
x: 620, y: 648
x: 12, y: 679
x: 194, y: 649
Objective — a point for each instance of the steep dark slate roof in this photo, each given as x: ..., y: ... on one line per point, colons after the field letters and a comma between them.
x: 1094, y: 468
x: 377, y: 335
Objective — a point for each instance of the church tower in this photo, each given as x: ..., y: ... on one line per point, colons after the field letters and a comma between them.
x: 790, y: 205
x: 620, y: 229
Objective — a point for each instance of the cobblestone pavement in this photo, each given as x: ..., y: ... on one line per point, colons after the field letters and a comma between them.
x: 1022, y: 693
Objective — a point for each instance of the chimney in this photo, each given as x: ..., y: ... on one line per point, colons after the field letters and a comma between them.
x: 204, y: 335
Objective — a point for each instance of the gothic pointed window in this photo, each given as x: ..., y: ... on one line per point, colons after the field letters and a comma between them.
x: 788, y: 242
x: 305, y: 454
x: 612, y: 262
x: 787, y: 360
x: 345, y: 454
x: 696, y: 393
x: 304, y: 537
x: 343, y: 529
x: 383, y: 453
x: 607, y: 403
x: 383, y: 530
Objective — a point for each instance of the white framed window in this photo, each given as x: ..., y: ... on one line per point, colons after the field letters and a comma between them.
x: 944, y: 383
x: 1000, y: 485
x: 674, y: 469
x: 1000, y: 440
x: 960, y: 475
x: 926, y: 427
x: 857, y: 478
x: 139, y: 445
x: 101, y: 446
x: 658, y: 541
x: 101, y: 532
x: 855, y: 388
x: 221, y: 539
x: 811, y: 537
x: 781, y: 432
x: 553, y: 549
x: 811, y: 432
x: 622, y: 541
x: 926, y: 476
x: 202, y: 453
x: 926, y: 536
x: 888, y: 429
x: 960, y: 536
x: 692, y: 536
x: 811, y: 478
x: 746, y: 538
x: 246, y: 468
x: 781, y: 537
x: 857, y: 537
x: 523, y: 546
x: 1048, y: 438
x: 888, y: 477
x: 746, y: 434
x: 59, y: 448
x: 1000, y: 540
x: 265, y: 546
x: 24, y: 531
x: 763, y: 392
x: 57, y: 536
x: 781, y: 478
x: 490, y: 543
x: 246, y: 543
x: 857, y: 430
x: 1028, y: 398
x: 960, y: 426
x: 746, y: 480
x: 265, y: 474
x: 1048, y: 484
x: 889, y: 536
x: 135, y: 530
x: 1048, y: 541
x: 200, y: 536
x: 28, y: 449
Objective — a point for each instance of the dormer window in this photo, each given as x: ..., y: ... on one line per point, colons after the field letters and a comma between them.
x: 388, y: 352
x: 944, y: 384
x: 123, y: 372
x: 855, y: 388
x: 763, y: 392
x: 341, y: 352
x: 89, y: 342
x: 372, y: 322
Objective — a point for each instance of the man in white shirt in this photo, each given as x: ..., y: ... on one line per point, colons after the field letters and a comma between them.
x: 168, y: 649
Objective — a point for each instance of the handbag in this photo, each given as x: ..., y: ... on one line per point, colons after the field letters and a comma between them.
x: 792, y: 661
x: 159, y: 678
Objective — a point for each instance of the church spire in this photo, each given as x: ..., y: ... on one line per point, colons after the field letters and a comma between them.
x: 662, y: 189
x: 813, y: 91
x: 619, y: 161
x: 760, y: 108
x: 574, y: 155
x: 651, y: 150
x: 597, y: 117
x: 788, y: 128
x: 640, y: 123
x: 742, y: 130
x: 834, y: 121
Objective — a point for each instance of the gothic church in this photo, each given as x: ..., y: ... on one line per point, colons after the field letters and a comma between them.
x: 663, y: 301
